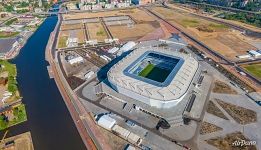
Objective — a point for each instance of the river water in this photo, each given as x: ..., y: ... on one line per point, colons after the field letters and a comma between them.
x: 49, y: 121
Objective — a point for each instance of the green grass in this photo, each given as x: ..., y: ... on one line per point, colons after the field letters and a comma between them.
x: 19, y: 113
x: 154, y: 73
x: 10, y: 68
x: 146, y: 70
x: 12, y: 73
x: 11, y: 21
x: 62, y: 42
x: 218, y: 26
x: 100, y: 33
x: 190, y: 23
x: 254, y: 69
x: 8, y: 35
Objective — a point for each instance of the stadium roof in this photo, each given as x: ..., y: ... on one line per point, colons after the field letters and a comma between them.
x: 175, y: 90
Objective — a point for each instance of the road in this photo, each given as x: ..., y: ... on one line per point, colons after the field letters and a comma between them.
x: 81, y: 118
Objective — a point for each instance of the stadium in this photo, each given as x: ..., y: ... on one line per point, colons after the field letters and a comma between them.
x: 155, y: 76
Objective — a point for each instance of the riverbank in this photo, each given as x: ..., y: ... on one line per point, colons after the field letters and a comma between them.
x: 49, y: 121
x: 12, y: 110
x: 19, y: 142
x: 24, y: 27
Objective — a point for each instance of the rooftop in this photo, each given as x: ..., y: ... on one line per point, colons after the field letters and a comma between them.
x: 177, y: 85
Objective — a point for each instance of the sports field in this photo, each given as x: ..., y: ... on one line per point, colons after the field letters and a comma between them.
x: 154, y: 73
x: 254, y: 69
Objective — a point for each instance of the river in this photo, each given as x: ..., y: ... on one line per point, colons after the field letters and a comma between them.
x: 49, y: 121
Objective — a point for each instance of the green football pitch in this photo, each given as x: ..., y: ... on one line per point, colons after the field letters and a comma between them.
x: 155, y: 73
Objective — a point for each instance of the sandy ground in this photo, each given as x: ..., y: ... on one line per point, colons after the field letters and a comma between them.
x: 144, y: 24
x: 71, y: 26
x: 131, y: 33
x: 180, y: 7
x: 79, y: 33
x: 96, y: 31
x: 116, y: 142
x: 137, y: 14
x: 21, y: 142
x: 226, y: 41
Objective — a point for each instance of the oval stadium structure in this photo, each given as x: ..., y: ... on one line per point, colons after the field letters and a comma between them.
x: 156, y: 76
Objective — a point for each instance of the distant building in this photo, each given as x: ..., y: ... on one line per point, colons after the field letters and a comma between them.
x: 243, y: 56
x: 40, y: 3
x: 142, y: 2
x: 75, y: 60
x: 72, y: 42
x: 254, y: 53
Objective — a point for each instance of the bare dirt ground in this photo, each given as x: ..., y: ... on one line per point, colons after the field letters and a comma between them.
x: 240, y: 114
x: 189, y: 9
x: 64, y: 35
x: 21, y: 142
x: 80, y: 35
x: 135, y: 13
x: 71, y: 26
x: 214, y: 110
x: 125, y: 33
x: 116, y: 142
x: 208, y: 128
x: 217, y: 36
x: 222, y: 87
x: 145, y: 24
x: 96, y: 31
x: 225, y: 143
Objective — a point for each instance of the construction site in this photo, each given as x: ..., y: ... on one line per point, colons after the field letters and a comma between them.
x: 219, y: 37
x: 137, y: 24
x: 90, y: 43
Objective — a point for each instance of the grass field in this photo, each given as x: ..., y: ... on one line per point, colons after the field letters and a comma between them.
x: 62, y: 41
x: 11, y: 21
x: 11, y: 69
x: 154, y: 73
x: 146, y: 70
x: 8, y: 34
x: 96, y: 31
x: 18, y: 116
x: 254, y: 69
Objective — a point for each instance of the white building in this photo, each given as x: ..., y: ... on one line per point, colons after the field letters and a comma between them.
x: 106, y: 122
x: 254, y: 53
x: 88, y: 74
x: 125, y: 79
x: 113, y: 50
x: 75, y: 60
x: 72, y: 42
x: 244, y: 56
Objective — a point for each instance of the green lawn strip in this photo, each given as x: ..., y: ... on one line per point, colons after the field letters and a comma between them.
x: 62, y: 41
x: 190, y: 23
x: 100, y: 32
x: 12, y: 73
x: 12, y: 34
x: 11, y: 21
x: 215, y: 26
x: 146, y: 70
x: 19, y: 113
x: 254, y: 69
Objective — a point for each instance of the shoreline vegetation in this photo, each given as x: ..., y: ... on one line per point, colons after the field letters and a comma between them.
x: 12, y: 109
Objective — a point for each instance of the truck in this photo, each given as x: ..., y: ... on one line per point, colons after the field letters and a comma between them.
x: 127, y: 135
x: 122, y: 132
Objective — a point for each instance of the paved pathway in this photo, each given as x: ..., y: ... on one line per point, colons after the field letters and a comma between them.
x: 252, y: 131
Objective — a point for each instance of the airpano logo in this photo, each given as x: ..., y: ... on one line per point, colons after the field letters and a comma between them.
x: 240, y: 143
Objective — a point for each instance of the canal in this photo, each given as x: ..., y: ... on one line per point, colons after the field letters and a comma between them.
x: 49, y: 121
